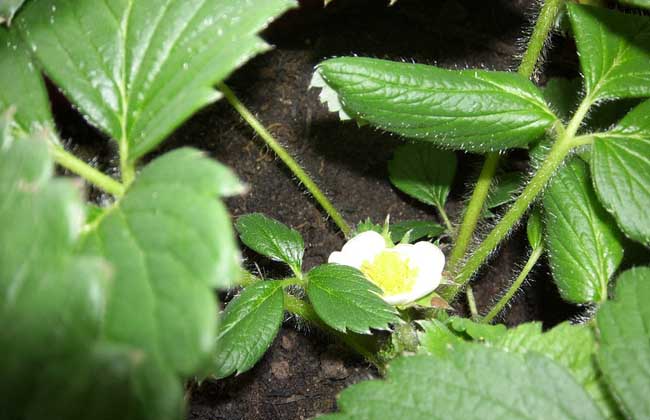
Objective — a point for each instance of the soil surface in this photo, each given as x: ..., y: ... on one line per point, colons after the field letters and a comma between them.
x: 304, y: 370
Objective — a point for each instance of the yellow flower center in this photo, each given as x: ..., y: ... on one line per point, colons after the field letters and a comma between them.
x: 391, y: 272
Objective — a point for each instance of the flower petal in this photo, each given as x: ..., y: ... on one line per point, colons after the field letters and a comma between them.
x: 363, y: 247
x: 429, y: 260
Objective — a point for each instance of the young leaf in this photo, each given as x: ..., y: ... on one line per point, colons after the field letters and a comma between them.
x: 475, y: 382
x: 621, y: 169
x: 614, y: 53
x: 137, y: 69
x: 584, y: 245
x: 346, y: 301
x: 250, y: 323
x: 437, y: 339
x: 272, y: 239
x: 624, y: 354
x: 168, y: 239
x: 424, y: 172
x: 418, y: 229
x: 473, y: 110
x: 21, y: 84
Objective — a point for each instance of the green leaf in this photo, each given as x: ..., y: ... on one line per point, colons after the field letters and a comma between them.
x: 170, y: 244
x: 613, y: 49
x: 51, y: 301
x: 113, y: 382
x: 475, y: 382
x: 424, y: 172
x: 472, y: 110
x: 563, y: 96
x: 346, y: 301
x: 138, y: 69
x: 437, y: 339
x: 535, y: 229
x: 476, y: 331
x: 368, y: 225
x: 249, y: 324
x: 583, y: 243
x: 52, y: 306
x: 21, y: 84
x: 624, y: 354
x: 8, y: 9
x: 506, y: 190
x: 621, y: 169
x: 418, y: 229
x: 272, y: 239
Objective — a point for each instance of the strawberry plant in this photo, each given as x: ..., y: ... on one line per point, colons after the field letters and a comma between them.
x: 107, y: 308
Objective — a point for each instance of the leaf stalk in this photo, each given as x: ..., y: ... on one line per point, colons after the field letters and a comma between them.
x: 282, y: 153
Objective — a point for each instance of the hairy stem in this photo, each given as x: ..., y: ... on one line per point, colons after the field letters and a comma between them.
x: 445, y: 219
x: 532, y: 260
x: 474, y: 210
x: 356, y: 342
x: 561, y: 148
x: 471, y: 302
x: 543, y: 26
x: 87, y: 172
x: 286, y: 158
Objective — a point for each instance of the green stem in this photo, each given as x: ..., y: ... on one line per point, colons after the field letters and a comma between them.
x: 445, y: 219
x: 555, y: 158
x: 474, y: 210
x: 87, y: 172
x: 304, y: 310
x: 471, y: 302
x: 286, y: 158
x: 127, y: 168
x: 543, y: 25
x: 532, y: 260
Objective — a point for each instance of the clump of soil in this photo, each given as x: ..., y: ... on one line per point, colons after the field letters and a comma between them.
x: 304, y: 370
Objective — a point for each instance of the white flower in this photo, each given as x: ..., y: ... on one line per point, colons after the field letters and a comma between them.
x: 405, y: 272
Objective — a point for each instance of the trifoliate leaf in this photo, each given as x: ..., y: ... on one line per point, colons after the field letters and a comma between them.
x: 613, y: 49
x: 424, y: 172
x: 621, y: 169
x: 584, y: 244
x: 473, y: 382
x: 137, y: 69
x: 346, y: 301
x: 624, y: 354
x: 249, y: 324
x: 170, y: 244
x: 473, y: 110
x: 271, y: 239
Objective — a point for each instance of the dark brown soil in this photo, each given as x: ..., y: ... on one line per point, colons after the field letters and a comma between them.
x: 303, y: 371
